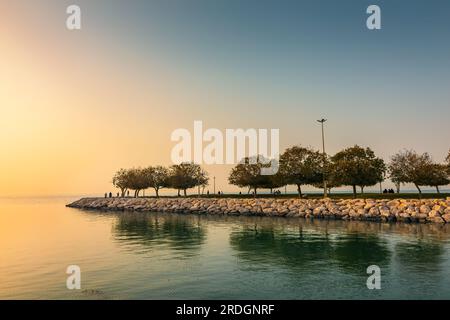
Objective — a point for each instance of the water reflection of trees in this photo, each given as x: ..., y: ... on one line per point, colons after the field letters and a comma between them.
x: 420, y: 267
x: 349, y: 246
x: 354, y: 252
x: 268, y: 245
x: 148, y: 230
x: 293, y: 243
x: 306, y: 248
x: 423, y: 256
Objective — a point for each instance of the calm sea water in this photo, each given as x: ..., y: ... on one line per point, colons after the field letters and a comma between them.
x: 169, y: 256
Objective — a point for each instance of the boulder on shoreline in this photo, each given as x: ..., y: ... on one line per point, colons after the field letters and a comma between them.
x: 404, y: 210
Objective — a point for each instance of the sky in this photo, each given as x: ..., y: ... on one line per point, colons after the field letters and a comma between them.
x: 78, y: 105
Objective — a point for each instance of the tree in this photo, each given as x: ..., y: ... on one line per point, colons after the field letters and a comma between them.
x: 186, y: 175
x: 121, y: 181
x: 438, y: 176
x: 274, y: 181
x: 137, y: 180
x: 409, y: 167
x: 156, y: 177
x: 356, y: 166
x: 247, y: 173
x: 301, y: 166
x: 202, y: 180
x: 332, y: 181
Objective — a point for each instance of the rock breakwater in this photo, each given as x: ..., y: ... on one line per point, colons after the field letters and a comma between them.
x: 403, y: 210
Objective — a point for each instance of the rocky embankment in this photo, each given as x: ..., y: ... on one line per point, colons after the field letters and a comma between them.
x: 406, y: 210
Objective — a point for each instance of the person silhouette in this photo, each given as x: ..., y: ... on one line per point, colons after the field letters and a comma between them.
x: 106, y: 195
x: 110, y: 195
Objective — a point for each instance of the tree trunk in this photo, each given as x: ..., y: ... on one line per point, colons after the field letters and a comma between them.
x: 397, y: 185
x: 178, y: 192
x: 157, y: 192
x: 254, y: 189
x: 420, y: 191
x: 354, y: 191
x: 299, y: 189
x: 362, y: 189
x: 184, y: 191
x: 437, y: 189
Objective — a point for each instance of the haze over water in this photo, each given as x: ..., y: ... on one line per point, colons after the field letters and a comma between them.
x: 156, y: 255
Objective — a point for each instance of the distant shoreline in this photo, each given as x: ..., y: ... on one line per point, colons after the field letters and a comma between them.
x: 378, y: 210
x: 407, y: 193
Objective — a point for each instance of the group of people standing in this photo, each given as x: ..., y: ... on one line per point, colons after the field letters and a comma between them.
x: 117, y: 195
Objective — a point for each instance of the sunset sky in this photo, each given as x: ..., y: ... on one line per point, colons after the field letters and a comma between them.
x: 78, y: 105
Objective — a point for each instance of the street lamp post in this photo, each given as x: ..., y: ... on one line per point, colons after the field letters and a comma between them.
x: 325, y: 191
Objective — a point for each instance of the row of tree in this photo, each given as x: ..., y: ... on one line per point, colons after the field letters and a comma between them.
x: 180, y: 177
x: 418, y: 169
x: 299, y: 166
x: 354, y: 166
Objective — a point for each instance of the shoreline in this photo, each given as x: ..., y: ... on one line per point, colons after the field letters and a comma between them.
x: 377, y: 210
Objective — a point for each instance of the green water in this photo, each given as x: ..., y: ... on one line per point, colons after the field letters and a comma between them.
x: 168, y: 256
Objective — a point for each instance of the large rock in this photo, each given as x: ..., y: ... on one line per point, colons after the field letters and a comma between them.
x: 446, y: 217
x: 437, y: 220
x: 433, y: 213
x: 424, y: 209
